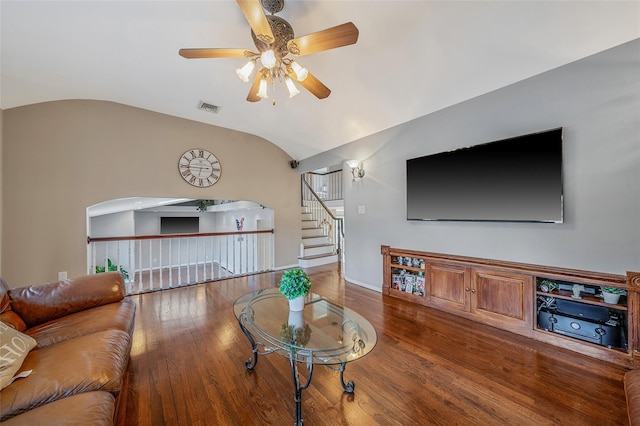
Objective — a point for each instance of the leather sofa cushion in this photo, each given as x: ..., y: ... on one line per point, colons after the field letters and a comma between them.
x: 85, y: 409
x: 6, y: 313
x: 13, y: 320
x: 40, y: 303
x: 112, y: 316
x: 93, y: 362
x: 632, y: 391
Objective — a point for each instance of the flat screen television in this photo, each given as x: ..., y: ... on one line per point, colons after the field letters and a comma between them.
x: 511, y: 180
x: 179, y: 225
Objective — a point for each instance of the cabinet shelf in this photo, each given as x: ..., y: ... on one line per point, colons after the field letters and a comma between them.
x: 592, y: 300
x: 408, y: 268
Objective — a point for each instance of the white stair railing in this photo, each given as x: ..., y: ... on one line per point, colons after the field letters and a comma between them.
x: 157, y: 262
x: 331, y: 225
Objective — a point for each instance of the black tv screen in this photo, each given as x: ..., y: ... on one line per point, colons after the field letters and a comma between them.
x: 512, y: 180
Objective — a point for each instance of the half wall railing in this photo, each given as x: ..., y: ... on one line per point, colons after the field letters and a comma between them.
x: 157, y: 262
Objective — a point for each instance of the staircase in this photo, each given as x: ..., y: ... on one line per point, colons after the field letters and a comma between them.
x: 317, y: 247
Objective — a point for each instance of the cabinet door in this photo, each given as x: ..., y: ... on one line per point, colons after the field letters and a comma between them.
x: 502, y: 299
x: 448, y: 287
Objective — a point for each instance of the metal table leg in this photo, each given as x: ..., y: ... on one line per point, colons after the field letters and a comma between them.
x: 348, y: 387
x: 251, y: 362
x: 298, y: 387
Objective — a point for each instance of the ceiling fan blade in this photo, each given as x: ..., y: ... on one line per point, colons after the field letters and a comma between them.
x: 252, y: 96
x: 252, y: 11
x: 312, y: 84
x: 212, y: 53
x: 341, y: 35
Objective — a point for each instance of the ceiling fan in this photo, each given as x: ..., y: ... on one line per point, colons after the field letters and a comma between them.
x: 274, y: 40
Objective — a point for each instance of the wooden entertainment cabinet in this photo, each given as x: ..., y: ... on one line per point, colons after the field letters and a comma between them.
x: 512, y: 295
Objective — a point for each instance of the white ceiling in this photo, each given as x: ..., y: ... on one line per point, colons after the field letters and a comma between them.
x: 412, y: 58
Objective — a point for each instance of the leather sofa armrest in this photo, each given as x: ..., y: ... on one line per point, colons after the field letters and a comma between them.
x: 632, y: 392
x: 40, y: 303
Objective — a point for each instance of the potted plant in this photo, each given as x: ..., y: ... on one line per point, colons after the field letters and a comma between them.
x: 112, y: 267
x: 612, y: 294
x: 294, y: 285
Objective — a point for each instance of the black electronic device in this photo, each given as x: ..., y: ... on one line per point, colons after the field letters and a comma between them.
x: 591, y: 331
x: 512, y: 180
x: 585, y: 311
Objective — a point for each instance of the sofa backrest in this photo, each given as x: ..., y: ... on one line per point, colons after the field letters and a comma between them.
x: 40, y: 303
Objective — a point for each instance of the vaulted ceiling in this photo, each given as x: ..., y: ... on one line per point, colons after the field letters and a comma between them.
x: 412, y: 58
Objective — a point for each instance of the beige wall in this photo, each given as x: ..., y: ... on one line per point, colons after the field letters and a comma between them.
x: 1, y: 192
x: 61, y: 157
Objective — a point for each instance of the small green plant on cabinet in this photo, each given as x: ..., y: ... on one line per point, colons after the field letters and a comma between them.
x: 112, y: 267
x: 614, y: 290
x: 294, y: 282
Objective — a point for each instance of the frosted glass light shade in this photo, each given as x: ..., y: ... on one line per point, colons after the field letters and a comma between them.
x: 244, y: 72
x: 293, y: 90
x: 262, y: 91
x: 268, y: 59
x: 301, y: 72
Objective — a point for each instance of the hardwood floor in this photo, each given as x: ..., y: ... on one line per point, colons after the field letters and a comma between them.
x: 428, y: 368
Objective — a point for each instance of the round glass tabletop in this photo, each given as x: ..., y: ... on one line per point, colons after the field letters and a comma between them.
x: 322, y: 333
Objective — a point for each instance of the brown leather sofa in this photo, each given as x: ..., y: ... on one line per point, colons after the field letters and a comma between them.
x: 83, y: 330
x: 632, y: 390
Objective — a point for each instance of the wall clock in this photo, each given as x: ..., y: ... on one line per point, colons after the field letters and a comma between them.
x: 199, y: 167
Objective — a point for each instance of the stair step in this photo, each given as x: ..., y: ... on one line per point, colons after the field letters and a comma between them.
x: 318, y: 250
x: 310, y: 261
x: 312, y: 232
x: 318, y: 245
x: 314, y: 240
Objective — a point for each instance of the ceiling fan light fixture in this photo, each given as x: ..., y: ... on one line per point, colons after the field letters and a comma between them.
x: 262, y: 91
x: 293, y: 90
x: 274, y: 40
x: 268, y: 59
x: 301, y: 72
x: 244, y: 72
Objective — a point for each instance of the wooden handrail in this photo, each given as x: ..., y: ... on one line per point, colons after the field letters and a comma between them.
x: 324, y: 206
x: 164, y: 236
x: 326, y: 173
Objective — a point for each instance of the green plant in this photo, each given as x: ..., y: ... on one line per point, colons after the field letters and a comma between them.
x: 203, y: 204
x: 614, y: 290
x: 112, y: 267
x: 294, y: 282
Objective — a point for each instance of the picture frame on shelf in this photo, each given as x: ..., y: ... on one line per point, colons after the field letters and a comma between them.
x: 397, y: 281
x: 420, y: 284
x: 409, y: 283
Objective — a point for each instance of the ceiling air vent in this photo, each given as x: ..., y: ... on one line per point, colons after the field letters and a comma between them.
x: 208, y: 107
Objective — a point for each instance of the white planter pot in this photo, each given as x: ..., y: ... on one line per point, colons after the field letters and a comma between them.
x: 296, y: 304
x: 610, y: 297
x: 296, y: 319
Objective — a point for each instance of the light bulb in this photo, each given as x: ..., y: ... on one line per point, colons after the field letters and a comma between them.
x: 262, y: 91
x: 301, y: 72
x: 293, y: 90
x: 244, y: 72
x: 268, y: 59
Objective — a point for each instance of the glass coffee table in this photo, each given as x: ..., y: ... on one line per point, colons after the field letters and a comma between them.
x: 323, y: 333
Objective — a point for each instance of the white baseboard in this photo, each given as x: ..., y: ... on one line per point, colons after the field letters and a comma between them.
x: 361, y: 284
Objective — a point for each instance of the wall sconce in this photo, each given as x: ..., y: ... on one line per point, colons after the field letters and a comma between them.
x: 356, y: 169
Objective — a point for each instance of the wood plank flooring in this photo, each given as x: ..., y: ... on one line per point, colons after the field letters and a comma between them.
x: 428, y: 368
